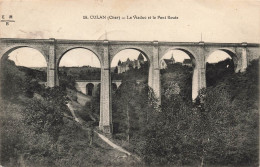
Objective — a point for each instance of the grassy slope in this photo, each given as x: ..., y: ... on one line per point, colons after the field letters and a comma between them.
x: 101, y: 153
x: 78, y: 152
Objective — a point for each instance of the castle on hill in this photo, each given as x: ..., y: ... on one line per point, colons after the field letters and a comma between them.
x: 125, y: 66
x: 164, y: 63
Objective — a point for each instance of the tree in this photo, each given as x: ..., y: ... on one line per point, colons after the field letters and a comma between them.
x: 126, y: 102
x: 47, y: 115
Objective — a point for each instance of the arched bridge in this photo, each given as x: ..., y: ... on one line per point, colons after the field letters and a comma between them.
x: 54, y: 49
x: 91, y: 87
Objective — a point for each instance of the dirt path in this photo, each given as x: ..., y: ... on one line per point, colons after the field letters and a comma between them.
x: 105, y: 139
x: 113, y: 157
x: 118, y: 154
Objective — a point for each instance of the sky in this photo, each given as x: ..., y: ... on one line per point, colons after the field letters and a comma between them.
x: 217, y: 20
x: 82, y: 57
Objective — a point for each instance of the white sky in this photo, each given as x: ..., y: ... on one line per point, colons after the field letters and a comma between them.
x: 218, y: 21
x: 22, y: 55
x: 83, y: 57
x: 218, y: 56
x: 178, y: 55
x: 79, y: 57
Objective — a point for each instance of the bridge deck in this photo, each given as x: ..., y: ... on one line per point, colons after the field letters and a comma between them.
x: 115, y: 42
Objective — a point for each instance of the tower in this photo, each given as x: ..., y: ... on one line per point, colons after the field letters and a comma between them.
x: 119, y: 68
x: 172, y: 59
x: 140, y: 58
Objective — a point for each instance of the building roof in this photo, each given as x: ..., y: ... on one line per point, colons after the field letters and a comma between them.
x: 128, y: 62
x: 187, y: 61
x: 169, y: 61
x: 140, y: 57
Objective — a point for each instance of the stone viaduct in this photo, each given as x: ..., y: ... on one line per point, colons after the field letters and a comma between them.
x: 54, y: 49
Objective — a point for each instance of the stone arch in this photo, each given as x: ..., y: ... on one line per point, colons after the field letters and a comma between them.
x: 73, y: 48
x: 227, y: 67
x: 195, y: 64
x: 149, y: 62
x: 7, y: 51
x: 4, y: 54
x: 90, y: 89
x: 144, y: 53
x: 60, y: 56
x: 190, y: 53
x: 230, y: 52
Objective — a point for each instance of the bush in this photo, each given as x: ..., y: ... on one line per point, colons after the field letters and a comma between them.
x: 223, y: 130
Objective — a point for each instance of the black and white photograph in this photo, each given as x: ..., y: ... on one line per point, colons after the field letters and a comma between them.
x: 129, y: 83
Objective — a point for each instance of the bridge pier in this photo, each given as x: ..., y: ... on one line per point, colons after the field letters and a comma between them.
x: 199, y: 72
x: 154, y: 72
x: 95, y: 90
x: 195, y: 83
x: 51, y: 65
x: 105, y: 123
x: 198, y: 81
x: 242, y: 61
x: 150, y: 75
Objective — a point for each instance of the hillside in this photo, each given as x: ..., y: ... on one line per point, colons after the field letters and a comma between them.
x: 38, y: 129
x: 23, y: 145
x: 81, y: 73
x: 70, y: 74
x: 221, y: 128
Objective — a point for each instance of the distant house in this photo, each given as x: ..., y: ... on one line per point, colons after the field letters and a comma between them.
x: 125, y: 66
x: 166, y: 62
x: 187, y: 62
